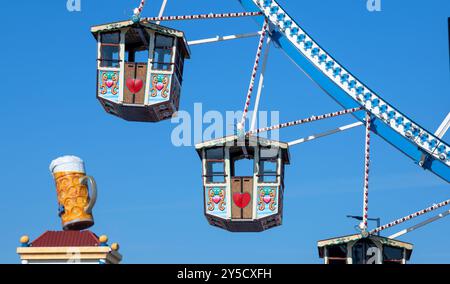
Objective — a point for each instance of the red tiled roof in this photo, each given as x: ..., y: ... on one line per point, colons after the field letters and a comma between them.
x: 66, y: 239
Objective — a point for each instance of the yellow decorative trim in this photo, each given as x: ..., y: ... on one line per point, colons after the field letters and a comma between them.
x: 67, y: 253
x: 63, y: 249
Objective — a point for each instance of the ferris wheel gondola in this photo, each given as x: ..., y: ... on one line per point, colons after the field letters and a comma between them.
x: 140, y: 69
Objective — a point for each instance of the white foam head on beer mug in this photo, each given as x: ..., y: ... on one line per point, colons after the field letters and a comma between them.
x: 67, y: 164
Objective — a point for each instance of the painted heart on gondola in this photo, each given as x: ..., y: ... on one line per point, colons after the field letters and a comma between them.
x: 109, y: 83
x: 159, y: 86
x: 241, y: 199
x: 267, y: 199
x: 134, y: 85
x: 216, y: 199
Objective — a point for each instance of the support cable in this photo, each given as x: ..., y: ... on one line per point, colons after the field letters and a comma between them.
x: 203, y: 16
x: 411, y: 216
x: 305, y: 120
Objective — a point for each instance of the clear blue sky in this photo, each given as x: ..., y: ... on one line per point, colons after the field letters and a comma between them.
x: 150, y: 193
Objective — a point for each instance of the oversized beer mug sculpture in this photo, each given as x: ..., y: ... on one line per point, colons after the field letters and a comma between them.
x: 75, y: 203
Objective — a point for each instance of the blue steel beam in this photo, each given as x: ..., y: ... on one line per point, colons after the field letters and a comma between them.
x: 388, y: 123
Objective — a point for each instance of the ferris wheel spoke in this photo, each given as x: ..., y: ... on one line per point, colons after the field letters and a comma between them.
x: 223, y: 38
x: 161, y: 11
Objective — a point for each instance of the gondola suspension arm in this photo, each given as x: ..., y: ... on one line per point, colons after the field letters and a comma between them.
x: 138, y: 11
x: 260, y: 84
x: 363, y: 226
x: 303, y: 121
x: 241, y: 124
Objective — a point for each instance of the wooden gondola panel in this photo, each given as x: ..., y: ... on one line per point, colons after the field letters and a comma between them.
x: 130, y: 75
x: 241, y: 189
x: 140, y: 80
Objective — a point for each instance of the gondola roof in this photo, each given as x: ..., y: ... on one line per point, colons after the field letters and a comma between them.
x: 236, y: 141
x: 356, y: 237
x: 116, y: 26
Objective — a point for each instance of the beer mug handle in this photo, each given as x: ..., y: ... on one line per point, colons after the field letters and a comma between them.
x: 93, y: 197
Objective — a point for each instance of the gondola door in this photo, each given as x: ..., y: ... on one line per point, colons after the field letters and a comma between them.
x: 366, y: 252
x: 135, y: 79
x: 242, y: 189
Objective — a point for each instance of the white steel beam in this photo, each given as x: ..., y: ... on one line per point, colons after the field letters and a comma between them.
x: 420, y: 225
x: 161, y: 11
x: 260, y: 84
x: 445, y: 125
x: 223, y: 38
x: 324, y: 134
x: 440, y: 132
